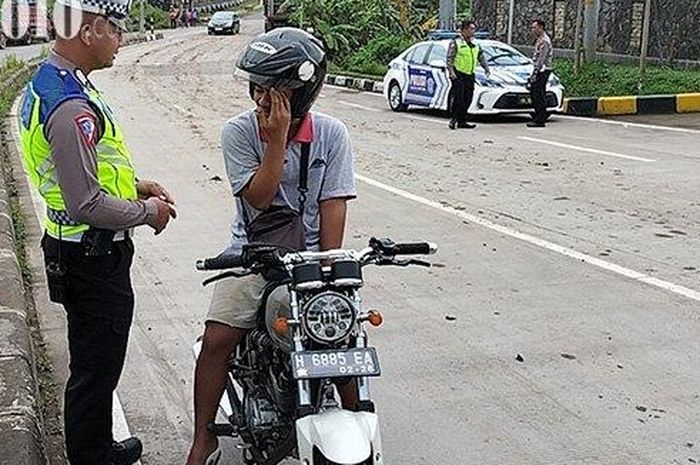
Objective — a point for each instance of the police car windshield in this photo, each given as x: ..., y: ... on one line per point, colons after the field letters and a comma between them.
x: 502, y: 55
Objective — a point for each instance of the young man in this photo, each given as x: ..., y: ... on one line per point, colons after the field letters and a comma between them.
x: 75, y: 153
x: 540, y: 74
x: 262, y: 150
x: 462, y: 56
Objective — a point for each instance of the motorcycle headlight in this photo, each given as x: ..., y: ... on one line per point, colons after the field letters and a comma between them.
x: 329, y: 317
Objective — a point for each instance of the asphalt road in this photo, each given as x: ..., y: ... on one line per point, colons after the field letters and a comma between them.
x: 569, y: 267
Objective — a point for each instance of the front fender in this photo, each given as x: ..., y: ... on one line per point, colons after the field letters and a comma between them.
x: 342, y: 437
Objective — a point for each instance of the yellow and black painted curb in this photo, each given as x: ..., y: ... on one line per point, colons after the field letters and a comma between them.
x: 632, y: 105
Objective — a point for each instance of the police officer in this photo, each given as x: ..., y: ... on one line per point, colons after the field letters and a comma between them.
x: 462, y: 56
x: 75, y: 153
x: 541, y: 70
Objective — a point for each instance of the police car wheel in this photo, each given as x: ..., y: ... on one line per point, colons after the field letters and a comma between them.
x: 395, y: 98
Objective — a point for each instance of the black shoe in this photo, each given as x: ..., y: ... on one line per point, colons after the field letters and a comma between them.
x: 533, y: 124
x: 453, y: 124
x: 126, y: 452
x: 466, y: 126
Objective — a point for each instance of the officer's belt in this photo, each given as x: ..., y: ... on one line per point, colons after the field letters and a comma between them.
x: 62, y: 218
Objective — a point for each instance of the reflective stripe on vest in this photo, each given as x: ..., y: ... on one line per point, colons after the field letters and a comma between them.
x: 115, y: 172
x: 466, y: 57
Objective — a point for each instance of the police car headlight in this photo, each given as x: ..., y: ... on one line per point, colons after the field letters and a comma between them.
x: 329, y: 317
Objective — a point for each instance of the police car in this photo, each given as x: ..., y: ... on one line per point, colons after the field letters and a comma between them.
x: 419, y: 78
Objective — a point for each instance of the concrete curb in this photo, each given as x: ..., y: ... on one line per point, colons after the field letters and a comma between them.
x: 575, y: 106
x: 21, y: 433
x: 632, y: 105
x: 137, y: 38
x: 365, y: 85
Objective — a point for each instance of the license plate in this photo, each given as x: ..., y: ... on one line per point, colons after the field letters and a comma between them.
x: 525, y: 100
x: 218, y: 28
x: 336, y: 363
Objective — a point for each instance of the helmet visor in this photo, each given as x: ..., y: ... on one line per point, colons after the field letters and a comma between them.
x: 267, y: 82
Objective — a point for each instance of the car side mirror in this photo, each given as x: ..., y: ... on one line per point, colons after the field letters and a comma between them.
x: 440, y: 64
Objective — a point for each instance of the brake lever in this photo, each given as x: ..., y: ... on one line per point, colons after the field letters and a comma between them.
x: 227, y: 274
x: 415, y: 261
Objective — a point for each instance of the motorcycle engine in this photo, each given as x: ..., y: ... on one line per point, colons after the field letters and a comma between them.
x: 260, y: 411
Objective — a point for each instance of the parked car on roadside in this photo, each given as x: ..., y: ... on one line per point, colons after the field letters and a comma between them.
x: 224, y: 22
x: 418, y: 77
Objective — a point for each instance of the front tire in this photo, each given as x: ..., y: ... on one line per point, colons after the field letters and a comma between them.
x: 395, y: 97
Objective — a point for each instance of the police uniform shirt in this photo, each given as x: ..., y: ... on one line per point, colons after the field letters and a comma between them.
x: 73, y: 130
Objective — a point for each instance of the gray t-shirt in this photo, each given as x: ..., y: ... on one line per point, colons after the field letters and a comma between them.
x: 331, y: 174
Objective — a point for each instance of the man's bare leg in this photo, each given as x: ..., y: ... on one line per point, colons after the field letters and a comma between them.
x: 209, y: 383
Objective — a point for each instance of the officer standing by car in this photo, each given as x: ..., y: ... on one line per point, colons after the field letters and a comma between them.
x: 542, y: 69
x: 462, y: 56
x: 75, y: 153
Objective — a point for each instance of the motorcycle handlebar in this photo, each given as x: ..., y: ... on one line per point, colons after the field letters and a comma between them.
x: 391, y: 248
x: 256, y: 255
x: 415, y: 248
x: 222, y: 262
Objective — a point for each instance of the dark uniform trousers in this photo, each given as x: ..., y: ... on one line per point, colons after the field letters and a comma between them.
x: 99, y: 305
x: 463, y: 94
x: 538, y: 93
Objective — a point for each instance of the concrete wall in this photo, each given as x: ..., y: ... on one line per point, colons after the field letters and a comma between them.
x: 673, y: 26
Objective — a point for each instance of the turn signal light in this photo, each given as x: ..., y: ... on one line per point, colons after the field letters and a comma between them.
x: 375, y: 318
x: 281, y: 326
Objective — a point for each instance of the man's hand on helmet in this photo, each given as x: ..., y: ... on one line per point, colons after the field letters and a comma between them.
x: 276, y: 123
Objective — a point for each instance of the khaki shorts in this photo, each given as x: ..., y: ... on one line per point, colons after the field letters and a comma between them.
x: 235, y: 302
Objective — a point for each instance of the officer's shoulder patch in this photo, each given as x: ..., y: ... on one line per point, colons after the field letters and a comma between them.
x: 87, y: 127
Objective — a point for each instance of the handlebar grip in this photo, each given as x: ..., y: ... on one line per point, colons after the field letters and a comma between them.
x: 415, y: 248
x: 222, y: 262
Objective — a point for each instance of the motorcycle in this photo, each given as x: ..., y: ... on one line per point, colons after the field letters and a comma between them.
x: 280, y: 397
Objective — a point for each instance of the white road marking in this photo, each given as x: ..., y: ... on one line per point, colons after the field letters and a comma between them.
x: 355, y: 105
x: 629, y: 124
x: 429, y: 120
x: 579, y: 256
x: 377, y: 110
x: 120, y: 427
x: 586, y: 149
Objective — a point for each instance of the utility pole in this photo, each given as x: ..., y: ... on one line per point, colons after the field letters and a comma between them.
x: 141, y: 17
x: 645, y: 42
x: 447, y: 14
x: 511, y: 14
x: 590, y: 31
x: 577, y: 36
